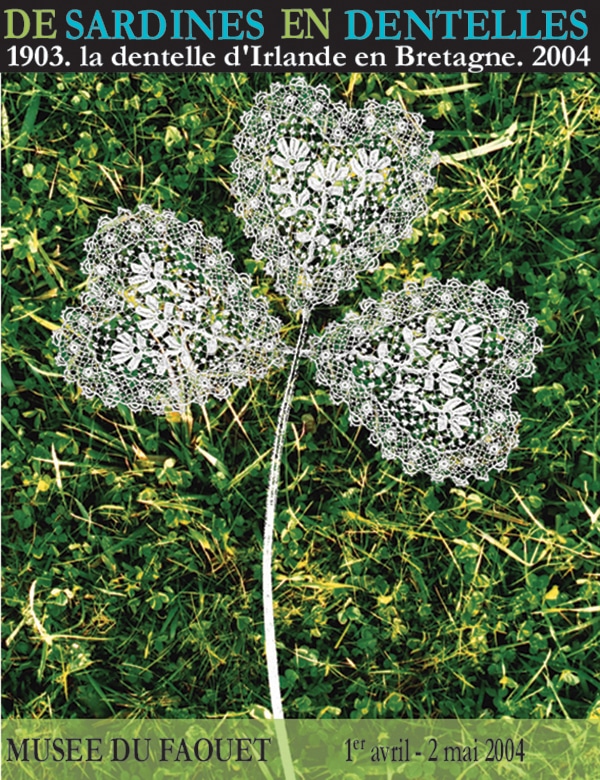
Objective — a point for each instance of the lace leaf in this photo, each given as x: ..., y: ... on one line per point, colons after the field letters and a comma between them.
x: 325, y: 189
x: 431, y: 371
x: 166, y: 319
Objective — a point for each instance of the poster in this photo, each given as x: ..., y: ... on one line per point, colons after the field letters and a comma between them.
x: 405, y: 605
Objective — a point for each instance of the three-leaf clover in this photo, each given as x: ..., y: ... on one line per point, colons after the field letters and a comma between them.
x: 323, y: 190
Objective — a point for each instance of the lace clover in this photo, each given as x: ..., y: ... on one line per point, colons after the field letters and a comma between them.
x: 325, y: 189
x: 166, y: 320
x: 431, y: 371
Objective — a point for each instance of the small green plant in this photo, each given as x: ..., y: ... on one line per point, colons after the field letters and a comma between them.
x: 323, y: 190
x: 393, y: 597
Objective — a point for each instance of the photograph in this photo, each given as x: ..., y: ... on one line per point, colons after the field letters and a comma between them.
x: 300, y: 395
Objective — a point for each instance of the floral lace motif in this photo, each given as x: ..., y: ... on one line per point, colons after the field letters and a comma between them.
x: 166, y: 320
x: 325, y: 189
x: 431, y: 371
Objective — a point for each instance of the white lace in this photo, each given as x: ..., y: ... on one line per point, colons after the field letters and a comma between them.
x: 166, y: 320
x: 431, y: 371
x: 325, y: 189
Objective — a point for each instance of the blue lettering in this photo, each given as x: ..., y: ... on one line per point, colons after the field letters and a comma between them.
x: 227, y: 23
x: 162, y: 25
x: 472, y: 24
x: 551, y: 24
x: 124, y: 19
x: 579, y: 24
x: 498, y: 32
x: 449, y: 34
x: 193, y: 18
x: 415, y: 19
x: 255, y: 24
x: 524, y: 32
x: 71, y: 22
x: 176, y: 25
x: 98, y: 25
x: 368, y: 22
x: 385, y: 23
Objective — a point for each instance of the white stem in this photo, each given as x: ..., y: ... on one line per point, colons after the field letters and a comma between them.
x: 267, y: 558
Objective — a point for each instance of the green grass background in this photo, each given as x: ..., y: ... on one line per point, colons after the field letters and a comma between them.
x: 132, y: 544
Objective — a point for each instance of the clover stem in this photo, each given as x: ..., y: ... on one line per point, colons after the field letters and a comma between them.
x: 267, y: 558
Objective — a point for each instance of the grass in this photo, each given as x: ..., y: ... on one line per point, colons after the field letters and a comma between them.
x: 132, y: 543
